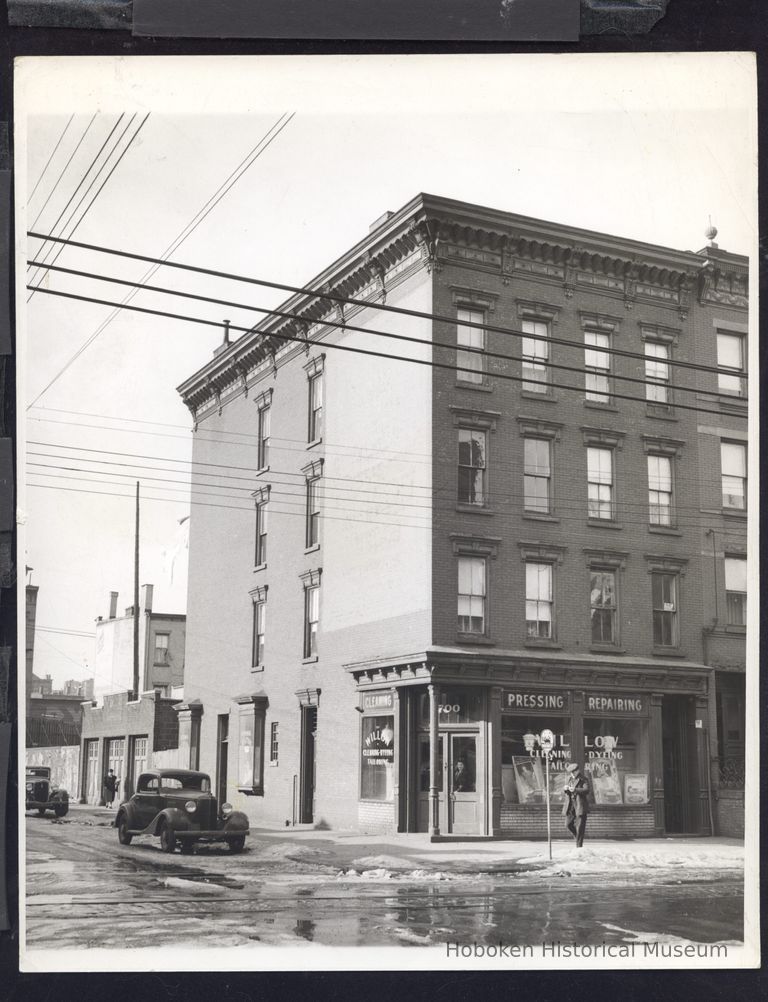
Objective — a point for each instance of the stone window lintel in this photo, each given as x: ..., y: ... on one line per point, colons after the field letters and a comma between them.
x: 473, y: 298
x: 533, y: 427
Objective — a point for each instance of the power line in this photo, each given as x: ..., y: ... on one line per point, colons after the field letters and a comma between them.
x: 263, y: 144
x: 482, y: 352
x: 54, y: 629
x: 88, y: 207
x: 47, y: 165
x: 349, y: 348
x: 368, y: 304
x: 62, y: 173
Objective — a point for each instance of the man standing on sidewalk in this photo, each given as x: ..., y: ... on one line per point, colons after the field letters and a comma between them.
x: 575, y: 808
x: 110, y: 787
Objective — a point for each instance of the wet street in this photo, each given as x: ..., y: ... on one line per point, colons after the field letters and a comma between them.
x: 85, y: 890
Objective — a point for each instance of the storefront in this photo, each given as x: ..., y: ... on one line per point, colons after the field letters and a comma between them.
x: 463, y: 758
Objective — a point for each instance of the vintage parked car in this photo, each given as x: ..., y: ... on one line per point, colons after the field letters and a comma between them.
x: 42, y: 794
x: 178, y: 806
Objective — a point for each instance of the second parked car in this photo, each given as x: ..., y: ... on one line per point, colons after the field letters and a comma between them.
x: 177, y: 806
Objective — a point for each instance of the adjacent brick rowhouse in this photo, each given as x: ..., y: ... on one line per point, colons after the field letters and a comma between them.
x: 636, y: 703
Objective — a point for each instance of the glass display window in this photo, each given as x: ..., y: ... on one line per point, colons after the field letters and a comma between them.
x: 616, y: 760
x: 455, y: 705
x: 377, y: 758
x: 523, y: 765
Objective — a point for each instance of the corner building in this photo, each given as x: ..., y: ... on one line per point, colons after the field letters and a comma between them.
x: 427, y: 565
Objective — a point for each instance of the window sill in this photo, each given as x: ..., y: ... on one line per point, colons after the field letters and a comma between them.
x: 257, y: 668
x: 607, y: 649
x: 251, y: 791
x: 313, y: 548
x: 596, y: 405
x: 668, y: 652
x: 310, y: 660
x: 540, y: 516
x: 532, y: 395
x: 259, y: 567
x: 661, y: 413
x: 315, y: 442
x: 731, y: 405
x: 482, y: 387
x: 474, y: 509
x: 604, y: 523
x: 262, y: 471
x: 734, y: 630
x: 474, y: 638
x: 272, y: 765
x: 665, y: 530
x: 550, y: 645
x: 740, y: 513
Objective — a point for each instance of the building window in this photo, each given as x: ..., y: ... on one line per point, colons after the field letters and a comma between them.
x: 259, y: 628
x: 315, y: 431
x: 602, y: 601
x: 539, y: 601
x: 664, y: 601
x: 161, y: 648
x: 471, y: 365
x: 261, y: 533
x: 616, y: 760
x: 599, y: 483
x: 313, y: 511
x: 535, y: 352
x: 250, y: 750
x: 730, y: 356
x: 472, y: 466
x: 311, y: 619
x: 736, y: 590
x: 263, y: 436
x: 537, y: 474
x: 377, y: 760
x: 597, y: 364
x: 472, y: 595
x: 273, y: 744
x: 659, y: 490
x: 657, y: 372
x: 733, y: 466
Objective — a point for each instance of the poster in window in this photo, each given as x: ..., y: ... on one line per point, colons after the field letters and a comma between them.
x: 530, y: 781
x: 606, y: 786
x: 557, y: 783
x: 378, y: 757
x: 636, y: 788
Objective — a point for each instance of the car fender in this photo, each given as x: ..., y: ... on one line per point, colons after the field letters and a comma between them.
x: 176, y: 819
x: 59, y: 795
x: 237, y: 821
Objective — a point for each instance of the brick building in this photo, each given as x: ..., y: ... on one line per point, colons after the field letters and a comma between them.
x: 438, y: 565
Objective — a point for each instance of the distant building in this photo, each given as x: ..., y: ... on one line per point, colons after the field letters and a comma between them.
x: 82, y: 688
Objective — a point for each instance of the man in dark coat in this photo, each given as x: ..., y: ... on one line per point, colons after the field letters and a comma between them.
x: 110, y: 788
x: 575, y: 808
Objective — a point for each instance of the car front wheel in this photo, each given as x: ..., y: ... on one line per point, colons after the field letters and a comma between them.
x: 123, y: 835
x: 237, y: 844
x: 167, y: 839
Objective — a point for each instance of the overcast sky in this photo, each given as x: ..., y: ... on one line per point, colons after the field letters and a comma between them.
x: 642, y: 146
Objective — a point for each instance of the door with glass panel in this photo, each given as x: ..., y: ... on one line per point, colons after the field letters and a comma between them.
x: 463, y: 807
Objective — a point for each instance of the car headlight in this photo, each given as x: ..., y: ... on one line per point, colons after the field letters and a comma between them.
x: 191, y: 806
x: 29, y: 788
x: 226, y: 809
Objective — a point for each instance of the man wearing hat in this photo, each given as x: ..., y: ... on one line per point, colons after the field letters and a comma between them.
x: 575, y: 808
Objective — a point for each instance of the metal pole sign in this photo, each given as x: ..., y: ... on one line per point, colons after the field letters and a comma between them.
x: 547, y: 742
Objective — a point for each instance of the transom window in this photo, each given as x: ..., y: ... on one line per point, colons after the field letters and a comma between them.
x: 664, y: 601
x: 472, y: 466
x: 471, y: 364
x: 736, y: 590
x: 472, y: 595
x: 537, y: 475
x: 539, y: 603
x: 602, y: 600
x: 730, y: 355
x: 733, y: 465
x: 597, y: 363
x: 659, y: 490
x: 599, y: 483
x: 657, y: 372
x: 535, y: 353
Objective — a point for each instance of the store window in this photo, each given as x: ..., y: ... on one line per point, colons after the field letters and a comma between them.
x: 616, y: 760
x: 523, y: 773
x: 455, y: 705
x: 377, y: 759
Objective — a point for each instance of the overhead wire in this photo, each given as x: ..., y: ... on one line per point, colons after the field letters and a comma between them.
x: 373, y: 305
x: 263, y: 144
x: 48, y: 163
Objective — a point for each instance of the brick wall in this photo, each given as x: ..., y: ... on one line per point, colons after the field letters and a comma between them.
x: 376, y: 817
x: 531, y: 822
x: 729, y: 813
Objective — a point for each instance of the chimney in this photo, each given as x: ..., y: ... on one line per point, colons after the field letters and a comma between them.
x: 146, y: 597
x: 380, y: 221
x: 112, y: 604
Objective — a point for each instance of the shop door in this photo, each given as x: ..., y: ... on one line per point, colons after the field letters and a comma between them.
x: 92, y: 788
x: 115, y: 760
x: 307, y: 765
x: 463, y: 817
x: 138, y: 763
x: 676, y: 785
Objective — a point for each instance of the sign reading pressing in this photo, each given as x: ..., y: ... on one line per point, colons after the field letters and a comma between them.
x: 521, y: 699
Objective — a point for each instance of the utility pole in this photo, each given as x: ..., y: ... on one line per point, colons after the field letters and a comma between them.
x: 136, y: 618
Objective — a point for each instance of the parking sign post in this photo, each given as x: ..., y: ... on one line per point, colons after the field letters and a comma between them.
x: 547, y: 741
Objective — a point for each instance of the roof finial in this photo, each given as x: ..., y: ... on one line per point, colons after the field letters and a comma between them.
x: 710, y: 233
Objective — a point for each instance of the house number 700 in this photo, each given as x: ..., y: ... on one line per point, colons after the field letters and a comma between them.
x: 449, y: 708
